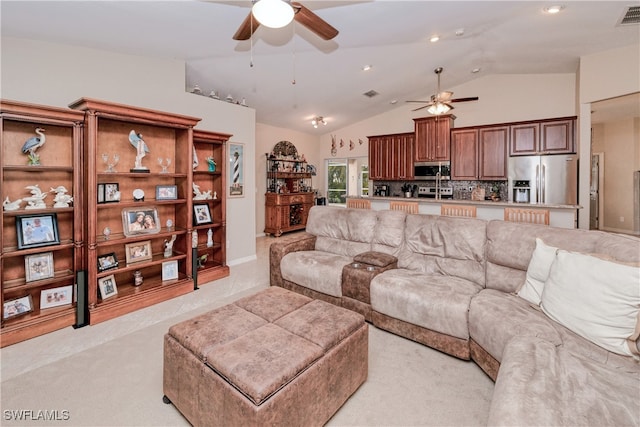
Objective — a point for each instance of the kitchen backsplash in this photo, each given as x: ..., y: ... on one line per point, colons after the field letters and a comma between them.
x: 461, y: 189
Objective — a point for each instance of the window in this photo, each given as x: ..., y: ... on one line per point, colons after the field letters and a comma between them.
x: 346, y: 177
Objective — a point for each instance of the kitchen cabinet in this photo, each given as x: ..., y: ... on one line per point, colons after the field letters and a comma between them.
x: 432, y: 138
x: 552, y: 136
x: 38, y: 276
x: 391, y: 156
x: 479, y: 153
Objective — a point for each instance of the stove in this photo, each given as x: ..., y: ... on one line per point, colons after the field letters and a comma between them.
x: 430, y: 192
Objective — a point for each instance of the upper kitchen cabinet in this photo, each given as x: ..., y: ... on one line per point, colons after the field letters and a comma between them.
x: 391, y: 156
x: 479, y: 153
x: 552, y: 136
x: 432, y: 138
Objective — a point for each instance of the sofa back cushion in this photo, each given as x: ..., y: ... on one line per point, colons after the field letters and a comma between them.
x: 341, y: 231
x: 445, y: 245
x: 510, y: 246
x: 389, y: 232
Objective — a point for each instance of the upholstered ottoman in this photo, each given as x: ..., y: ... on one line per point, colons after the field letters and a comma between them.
x: 273, y: 358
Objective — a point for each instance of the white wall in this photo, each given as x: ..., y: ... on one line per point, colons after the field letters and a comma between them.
x: 602, y: 76
x: 56, y: 75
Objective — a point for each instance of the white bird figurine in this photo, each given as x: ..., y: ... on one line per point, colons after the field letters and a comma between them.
x: 11, y: 206
x: 32, y: 144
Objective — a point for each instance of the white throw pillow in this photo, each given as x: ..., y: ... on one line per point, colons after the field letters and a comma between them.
x: 595, y: 298
x: 537, y: 272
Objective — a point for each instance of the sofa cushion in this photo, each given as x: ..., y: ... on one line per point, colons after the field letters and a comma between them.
x: 540, y: 384
x: 537, y: 272
x: 388, y: 234
x: 317, y: 270
x: 496, y: 317
x: 374, y: 258
x: 340, y: 231
x: 433, y: 301
x: 445, y: 245
x: 597, y: 299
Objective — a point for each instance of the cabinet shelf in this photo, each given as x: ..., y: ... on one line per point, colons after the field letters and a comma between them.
x: 13, y: 251
x: 37, y: 211
x: 209, y: 173
x: 207, y: 226
x: 144, y: 204
x: 37, y: 169
x: 120, y: 238
x: 156, y: 260
x: 19, y: 285
x: 102, y: 176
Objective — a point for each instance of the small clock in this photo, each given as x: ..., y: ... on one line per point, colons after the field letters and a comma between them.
x: 138, y: 195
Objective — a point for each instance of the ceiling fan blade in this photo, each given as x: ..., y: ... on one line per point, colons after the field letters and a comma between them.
x: 247, y: 28
x: 313, y: 22
x: 420, y: 108
x: 421, y: 102
x: 471, y: 98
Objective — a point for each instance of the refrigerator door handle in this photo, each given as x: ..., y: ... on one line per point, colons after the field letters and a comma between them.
x: 537, y: 183
x: 543, y: 184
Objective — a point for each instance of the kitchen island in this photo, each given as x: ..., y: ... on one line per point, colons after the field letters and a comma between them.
x: 564, y: 216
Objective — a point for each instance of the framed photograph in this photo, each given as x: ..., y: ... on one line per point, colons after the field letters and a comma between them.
x: 139, y: 251
x: 107, y: 261
x: 100, y: 193
x: 111, y: 192
x: 236, y: 169
x: 56, y: 296
x: 37, y: 230
x: 38, y: 266
x: 170, y: 270
x: 17, y: 307
x: 107, y: 286
x: 166, y: 192
x: 201, y: 214
x: 137, y: 221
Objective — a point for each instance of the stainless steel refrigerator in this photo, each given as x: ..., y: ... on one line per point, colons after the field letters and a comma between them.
x: 552, y: 179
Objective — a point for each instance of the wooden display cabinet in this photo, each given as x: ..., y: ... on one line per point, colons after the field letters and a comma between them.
x: 51, y: 277
x: 289, y: 197
x: 214, y: 145
x: 167, y: 136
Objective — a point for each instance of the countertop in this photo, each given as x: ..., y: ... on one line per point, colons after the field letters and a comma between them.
x: 473, y: 202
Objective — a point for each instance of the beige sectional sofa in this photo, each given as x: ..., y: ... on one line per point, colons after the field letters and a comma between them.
x: 458, y: 287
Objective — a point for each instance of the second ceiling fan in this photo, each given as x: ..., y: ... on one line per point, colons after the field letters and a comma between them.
x: 440, y: 103
x: 301, y: 14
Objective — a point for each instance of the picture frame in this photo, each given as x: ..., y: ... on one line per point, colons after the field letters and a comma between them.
x: 55, y: 297
x: 38, y: 266
x: 138, y: 251
x: 201, y: 214
x: 37, y: 230
x: 107, y: 261
x: 111, y: 192
x: 140, y: 220
x: 236, y: 169
x: 169, y: 270
x: 166, y: 192
x: 107, y: 286
x: 17, y: 307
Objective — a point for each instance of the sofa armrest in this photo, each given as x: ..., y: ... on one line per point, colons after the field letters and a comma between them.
x: 301, y: 242
x: 377, y: 259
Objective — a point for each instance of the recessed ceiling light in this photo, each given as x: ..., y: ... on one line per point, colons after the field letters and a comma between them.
x: 553, y: 9
x: 476, y: 70
x: 366, y: 67
x: 393, y: 101
x: 460, y: 32
x: 434, y: 38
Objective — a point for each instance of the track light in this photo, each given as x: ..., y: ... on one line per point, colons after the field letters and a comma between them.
x: 273, y: 13
x: 318, y: 120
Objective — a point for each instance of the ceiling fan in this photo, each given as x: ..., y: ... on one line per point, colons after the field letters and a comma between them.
x: 281, y: 11
x: 440, y: 103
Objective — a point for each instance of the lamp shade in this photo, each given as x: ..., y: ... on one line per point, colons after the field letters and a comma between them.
x: 273, y: 13
x: 439, y: 108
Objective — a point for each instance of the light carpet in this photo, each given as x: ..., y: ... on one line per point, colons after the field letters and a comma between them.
x: 110, y: 374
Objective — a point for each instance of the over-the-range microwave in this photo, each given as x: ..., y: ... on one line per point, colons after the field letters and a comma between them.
x: 430, y: 171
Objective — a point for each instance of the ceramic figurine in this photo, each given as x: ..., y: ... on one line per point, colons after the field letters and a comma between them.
x: 32, y: 144
x: 198, y: 195
x: 137, y: 278
x: 210, y: 238
x: 169, y: 224
x: 168, y: 246
x: 36, y: 200
x: 11, y: 206
x: 211, y: 163
x: 202, y: 260
x: 195, y: 159
x: 215, y: 195
x: 62, y: 199
x: 194, y: 239
x: 136, y: 141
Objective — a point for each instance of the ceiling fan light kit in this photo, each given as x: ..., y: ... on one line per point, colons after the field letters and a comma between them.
x: 273, y: 13
x: 439, y: 108
x: 441, y: 102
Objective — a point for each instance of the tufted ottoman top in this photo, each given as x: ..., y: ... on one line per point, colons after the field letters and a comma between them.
x: 262, y: 342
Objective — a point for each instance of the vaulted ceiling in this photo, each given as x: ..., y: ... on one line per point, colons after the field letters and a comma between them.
x: 291, y: 75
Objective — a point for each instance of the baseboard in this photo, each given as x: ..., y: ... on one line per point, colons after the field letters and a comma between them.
x: 242, y: 260
x: 620, y: 231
